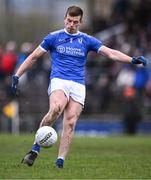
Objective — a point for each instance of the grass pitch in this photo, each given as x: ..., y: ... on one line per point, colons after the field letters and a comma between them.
x: 89, y: 158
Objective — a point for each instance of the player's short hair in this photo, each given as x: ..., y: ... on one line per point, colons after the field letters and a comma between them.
x: 74, y: 11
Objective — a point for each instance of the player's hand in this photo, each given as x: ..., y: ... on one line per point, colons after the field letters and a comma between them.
x: 14, y: 86
x: 139, y: 60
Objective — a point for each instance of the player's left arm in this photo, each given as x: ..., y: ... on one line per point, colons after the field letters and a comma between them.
x: 119, y: 56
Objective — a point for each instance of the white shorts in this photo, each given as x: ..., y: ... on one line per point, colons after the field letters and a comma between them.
x: 71, y: 89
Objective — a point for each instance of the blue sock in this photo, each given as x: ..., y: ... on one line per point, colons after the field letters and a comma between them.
x: 59, y: 162
x: 36, y: 148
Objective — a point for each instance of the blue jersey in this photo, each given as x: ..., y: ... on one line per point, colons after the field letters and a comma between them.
x: 69, y: 53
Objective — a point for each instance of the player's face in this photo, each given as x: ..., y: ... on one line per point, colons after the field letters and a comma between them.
x: 72, y: 23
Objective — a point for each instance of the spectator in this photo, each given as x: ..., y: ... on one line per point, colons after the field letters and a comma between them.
x: 9, y: 59
x: 132, y: 113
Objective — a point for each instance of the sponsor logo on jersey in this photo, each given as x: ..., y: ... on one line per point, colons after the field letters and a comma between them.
x: 70, y: 50
x: 60, y: 49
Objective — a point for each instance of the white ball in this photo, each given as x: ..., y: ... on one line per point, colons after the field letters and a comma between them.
x: 46, y: 136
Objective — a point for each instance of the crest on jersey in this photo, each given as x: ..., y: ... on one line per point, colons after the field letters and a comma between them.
x: 80, y: 40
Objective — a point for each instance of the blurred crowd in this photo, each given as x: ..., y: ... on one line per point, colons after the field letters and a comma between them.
x: 123, y: 88
x: 112, y: 87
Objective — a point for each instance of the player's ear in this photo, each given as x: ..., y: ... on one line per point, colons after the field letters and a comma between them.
x: 65, y: 17
x: 64, y: 20
x: 81, y: 20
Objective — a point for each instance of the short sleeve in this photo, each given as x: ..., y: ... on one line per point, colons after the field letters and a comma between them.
x: 94, y: 44
x: 47, y: 42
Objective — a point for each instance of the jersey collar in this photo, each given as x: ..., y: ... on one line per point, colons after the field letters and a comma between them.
x: 71, y: 34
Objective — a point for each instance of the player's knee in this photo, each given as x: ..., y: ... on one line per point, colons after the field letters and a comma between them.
x: 55, y: 109
x: 72, y: 117
x: 71, y: 126
x: 71, y: 122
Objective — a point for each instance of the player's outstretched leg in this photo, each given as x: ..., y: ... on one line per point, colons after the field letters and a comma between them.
x: 30, y: 157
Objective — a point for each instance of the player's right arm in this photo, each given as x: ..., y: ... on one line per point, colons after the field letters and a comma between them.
x: 27, y: 64
x: 29, y: 61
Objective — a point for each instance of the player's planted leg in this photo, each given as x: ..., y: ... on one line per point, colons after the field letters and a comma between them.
x: 71, y: 114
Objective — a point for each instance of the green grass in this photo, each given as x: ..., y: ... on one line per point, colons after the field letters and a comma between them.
x: 89, y: 158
